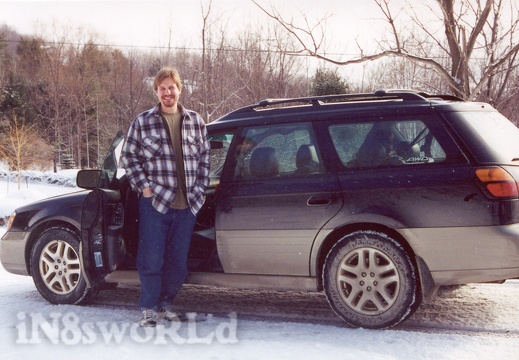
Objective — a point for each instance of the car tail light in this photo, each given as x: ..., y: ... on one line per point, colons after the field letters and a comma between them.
x: 498, y: 182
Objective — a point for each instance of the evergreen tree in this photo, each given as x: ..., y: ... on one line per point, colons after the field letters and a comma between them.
x: 328, y: 82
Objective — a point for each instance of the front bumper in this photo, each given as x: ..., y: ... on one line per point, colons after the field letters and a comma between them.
x: 12, y: 252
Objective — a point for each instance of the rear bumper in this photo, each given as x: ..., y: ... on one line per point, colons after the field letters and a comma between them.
x: 12, y: 252
x: 467, y: 254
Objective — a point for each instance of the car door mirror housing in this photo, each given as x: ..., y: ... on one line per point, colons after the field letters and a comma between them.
x: 88, y: 179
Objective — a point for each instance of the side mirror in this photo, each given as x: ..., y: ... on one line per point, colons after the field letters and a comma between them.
x: 88, y: 179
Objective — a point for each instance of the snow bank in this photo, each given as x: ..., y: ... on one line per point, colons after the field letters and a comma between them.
x: 35, y: 185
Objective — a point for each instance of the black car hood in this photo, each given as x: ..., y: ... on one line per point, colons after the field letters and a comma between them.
x: 65, y: 208
x: 75, y: 197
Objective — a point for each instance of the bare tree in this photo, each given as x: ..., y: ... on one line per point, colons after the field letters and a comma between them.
x: 3, y: 58
x: 205, y: 75
x: 215, y: 69
x: 52, y: 103
x: 472, y: 30
x: 21, y: 146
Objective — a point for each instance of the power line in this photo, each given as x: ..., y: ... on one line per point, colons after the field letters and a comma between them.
x: 296, y: 53
x: 185, y: 48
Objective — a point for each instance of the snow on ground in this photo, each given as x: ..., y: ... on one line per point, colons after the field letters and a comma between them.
x: 32, y: 327
x: 64, y: 330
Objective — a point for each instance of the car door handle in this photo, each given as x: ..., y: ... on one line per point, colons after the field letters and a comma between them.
x: 319, y: 200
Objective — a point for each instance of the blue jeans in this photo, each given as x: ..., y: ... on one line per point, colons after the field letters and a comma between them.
x: 164, y: 241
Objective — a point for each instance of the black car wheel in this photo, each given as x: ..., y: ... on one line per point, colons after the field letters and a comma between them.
x: 370, y: 281
x: 56, y: 268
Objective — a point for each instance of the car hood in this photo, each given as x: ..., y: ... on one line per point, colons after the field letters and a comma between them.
x: 75, y: 197
x: 66, y: 208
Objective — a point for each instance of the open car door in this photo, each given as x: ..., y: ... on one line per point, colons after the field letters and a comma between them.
x: 102, y: 245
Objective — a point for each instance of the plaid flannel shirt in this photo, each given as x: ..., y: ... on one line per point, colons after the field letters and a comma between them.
x: 149, y: 160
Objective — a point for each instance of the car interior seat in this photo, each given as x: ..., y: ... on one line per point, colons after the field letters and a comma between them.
x: 306, y: 160
x: 376, y: 147
x: 264, y: 163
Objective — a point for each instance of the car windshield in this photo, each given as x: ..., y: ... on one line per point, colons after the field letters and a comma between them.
x: 490, y: 136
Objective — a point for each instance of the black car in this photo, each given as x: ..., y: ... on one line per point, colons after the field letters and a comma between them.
x: 376, y: 199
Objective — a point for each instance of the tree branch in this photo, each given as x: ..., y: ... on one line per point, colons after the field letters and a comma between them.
x: 384, y: 7
x: 476, y: 31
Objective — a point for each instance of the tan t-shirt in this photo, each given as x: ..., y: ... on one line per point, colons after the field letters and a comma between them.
x: 175, y: 129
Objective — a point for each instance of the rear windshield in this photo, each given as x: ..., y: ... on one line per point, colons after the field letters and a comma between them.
x: 490, y: 136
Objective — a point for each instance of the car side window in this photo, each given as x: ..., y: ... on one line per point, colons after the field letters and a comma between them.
x: 277, y: 151
x: 220, y: 144
x: 385, y: 143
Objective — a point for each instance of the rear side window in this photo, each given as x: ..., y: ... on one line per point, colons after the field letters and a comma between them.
x: 277, y: 151
x: 490, y: 136
x: 385, y: 143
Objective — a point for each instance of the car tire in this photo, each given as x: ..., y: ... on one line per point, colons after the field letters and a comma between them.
x: 370, y: 281
x: 56, y: 269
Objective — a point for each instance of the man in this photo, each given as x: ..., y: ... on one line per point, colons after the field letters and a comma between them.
x: 166, y: 158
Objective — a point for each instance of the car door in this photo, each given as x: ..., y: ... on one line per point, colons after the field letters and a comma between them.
x: 273, y: 201
x: 102, y: 245
x: 405, y: 168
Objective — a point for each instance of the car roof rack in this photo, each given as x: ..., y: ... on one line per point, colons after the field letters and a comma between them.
x: 409, y: 94
x: 384, y: 94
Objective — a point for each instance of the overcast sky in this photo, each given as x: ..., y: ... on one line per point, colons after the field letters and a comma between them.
x: 147, y: 23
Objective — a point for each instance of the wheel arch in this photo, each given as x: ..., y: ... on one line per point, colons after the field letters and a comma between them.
x: 332, y: 238
x: 37, y: 230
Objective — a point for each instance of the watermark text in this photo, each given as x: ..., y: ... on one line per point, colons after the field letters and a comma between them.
x: 69, y: 329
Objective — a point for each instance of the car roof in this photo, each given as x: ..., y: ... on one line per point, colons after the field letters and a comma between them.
x: 296, y: 109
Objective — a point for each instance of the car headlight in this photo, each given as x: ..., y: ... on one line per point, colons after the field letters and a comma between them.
x: 11, y: 220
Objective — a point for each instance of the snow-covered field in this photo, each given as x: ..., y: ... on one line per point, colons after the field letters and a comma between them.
x: 479, y: 321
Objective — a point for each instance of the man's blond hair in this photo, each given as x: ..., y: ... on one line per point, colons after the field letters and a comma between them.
x: 165, y: 73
